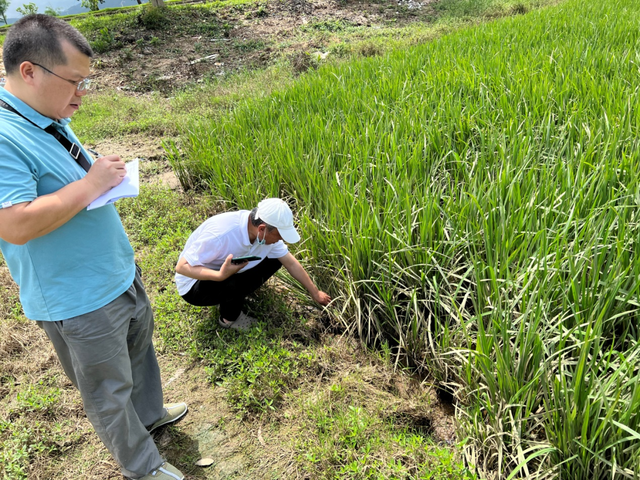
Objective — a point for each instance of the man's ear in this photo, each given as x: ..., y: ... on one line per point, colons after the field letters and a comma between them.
x: 27, y: 72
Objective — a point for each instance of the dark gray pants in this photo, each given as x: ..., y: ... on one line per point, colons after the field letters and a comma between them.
x: 109, y: 357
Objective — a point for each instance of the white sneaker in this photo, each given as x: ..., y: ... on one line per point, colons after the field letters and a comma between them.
x: 243, y: 322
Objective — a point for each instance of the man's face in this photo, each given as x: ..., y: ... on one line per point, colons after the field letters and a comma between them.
x: 270, y: 237
x: 57, y: 98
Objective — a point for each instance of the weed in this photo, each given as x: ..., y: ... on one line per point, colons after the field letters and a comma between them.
x: 126, y: 55
x: 153, y: 18
x: 326, y: 26
x: 301, y: 62
x: 37, y: 398
x: 519, y: 9
x: 341, y: 50
x: 249, y: 45
x: 262, y: 11
x: 369, y: 49
x: 104, y: 42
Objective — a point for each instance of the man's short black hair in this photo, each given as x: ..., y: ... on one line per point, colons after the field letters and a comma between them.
x: 38, y: 38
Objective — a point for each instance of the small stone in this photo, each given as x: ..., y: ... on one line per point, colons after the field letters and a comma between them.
x: 204, y: 462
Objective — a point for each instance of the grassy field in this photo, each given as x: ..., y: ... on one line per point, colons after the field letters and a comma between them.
x: 469, y: 202
x: 473, y: 202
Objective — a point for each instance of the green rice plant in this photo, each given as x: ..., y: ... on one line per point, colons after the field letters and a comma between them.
x: 473, y: 204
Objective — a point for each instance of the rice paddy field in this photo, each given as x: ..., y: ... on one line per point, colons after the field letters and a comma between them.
x: 472, y: 204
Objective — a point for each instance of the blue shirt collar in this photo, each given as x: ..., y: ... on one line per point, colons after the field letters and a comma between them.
x: 29, y: 113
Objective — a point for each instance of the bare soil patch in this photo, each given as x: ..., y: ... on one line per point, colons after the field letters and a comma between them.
x: 153, y: 163
x: 243, y: 37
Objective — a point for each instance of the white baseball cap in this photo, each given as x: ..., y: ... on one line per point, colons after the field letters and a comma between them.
x: 276, y: 212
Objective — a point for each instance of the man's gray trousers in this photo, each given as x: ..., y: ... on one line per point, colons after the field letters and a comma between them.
x: 109, y: 357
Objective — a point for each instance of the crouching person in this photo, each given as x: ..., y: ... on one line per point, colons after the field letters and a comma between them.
x: 207, y: 273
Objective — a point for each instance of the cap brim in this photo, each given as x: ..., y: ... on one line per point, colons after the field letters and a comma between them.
x: 289, y: 235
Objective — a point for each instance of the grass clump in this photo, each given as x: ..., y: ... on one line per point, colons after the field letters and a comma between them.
x: 475, y: 206
x: 256, y: 369
x: 38, y: 398
x: 326, y: 26
x: 153, y: 18
x: 473, y: 9
x: 23, y: 440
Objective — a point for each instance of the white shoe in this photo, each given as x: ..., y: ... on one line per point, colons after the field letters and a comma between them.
x: 243, y: 322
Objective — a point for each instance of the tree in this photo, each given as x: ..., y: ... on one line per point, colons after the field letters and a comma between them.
x: 4, y: 6
x: 93, y: 5
x: 54, y: 12
x: 27, y: 9
x: 157, y: 3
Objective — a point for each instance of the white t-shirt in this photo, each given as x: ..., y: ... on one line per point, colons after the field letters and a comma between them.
x: 216, y: 238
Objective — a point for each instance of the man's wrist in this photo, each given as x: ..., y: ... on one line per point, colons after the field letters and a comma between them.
x: 218, y: 276
x: 89, y: 189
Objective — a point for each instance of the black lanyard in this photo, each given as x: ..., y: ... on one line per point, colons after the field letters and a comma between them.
x: 73, y: 148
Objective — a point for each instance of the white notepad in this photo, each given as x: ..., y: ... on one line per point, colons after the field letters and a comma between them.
x: 129, y: 187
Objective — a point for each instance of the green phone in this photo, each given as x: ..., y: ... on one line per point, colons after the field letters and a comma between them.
x: 248, y: 258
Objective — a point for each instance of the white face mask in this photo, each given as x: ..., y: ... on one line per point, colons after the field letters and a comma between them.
x: 263, y: 241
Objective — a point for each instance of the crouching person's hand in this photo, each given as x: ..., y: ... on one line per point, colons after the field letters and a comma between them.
x: 322, y: 298
x: 227, y: 269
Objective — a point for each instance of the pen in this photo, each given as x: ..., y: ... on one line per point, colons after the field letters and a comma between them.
x: 94, y: 153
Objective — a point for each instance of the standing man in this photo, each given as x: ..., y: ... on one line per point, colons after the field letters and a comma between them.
x: 208, y: 275
x: 75, y: 267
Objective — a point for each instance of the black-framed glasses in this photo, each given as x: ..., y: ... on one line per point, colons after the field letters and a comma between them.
x: 81, y: 85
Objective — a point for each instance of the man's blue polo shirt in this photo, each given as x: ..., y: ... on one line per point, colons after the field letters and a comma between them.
x: 82, y: 265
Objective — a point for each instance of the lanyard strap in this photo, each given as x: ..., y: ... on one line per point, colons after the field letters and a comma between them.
x: 73, y: 148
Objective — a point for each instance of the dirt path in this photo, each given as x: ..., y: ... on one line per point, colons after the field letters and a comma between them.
x: 209, y: 430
